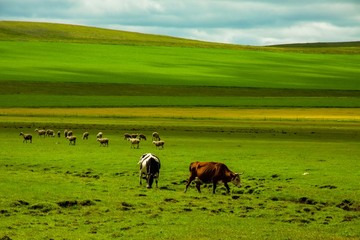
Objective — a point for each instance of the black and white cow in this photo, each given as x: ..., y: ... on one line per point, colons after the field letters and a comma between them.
x: 149, y: 169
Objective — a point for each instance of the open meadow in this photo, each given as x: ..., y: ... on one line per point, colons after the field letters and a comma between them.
x: 287, y: 117
x: 300, y: 179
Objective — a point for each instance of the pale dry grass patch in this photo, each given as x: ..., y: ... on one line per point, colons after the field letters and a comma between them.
x: 341, y: 114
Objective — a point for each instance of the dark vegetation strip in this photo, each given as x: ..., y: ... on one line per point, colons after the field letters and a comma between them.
x: 114, y: 89
x: 26, y: 100
x: 319, y: 45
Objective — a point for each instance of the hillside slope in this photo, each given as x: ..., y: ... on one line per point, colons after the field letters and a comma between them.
x: 59, y: 65
x: 53, y: 32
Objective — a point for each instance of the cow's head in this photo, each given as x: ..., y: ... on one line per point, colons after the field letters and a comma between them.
x: 236, y: 179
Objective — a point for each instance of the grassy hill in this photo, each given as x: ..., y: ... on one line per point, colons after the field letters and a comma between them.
x: 53, y: 32
x: 61, y: 65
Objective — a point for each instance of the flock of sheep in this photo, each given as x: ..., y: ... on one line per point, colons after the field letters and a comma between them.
x: 134, y: 139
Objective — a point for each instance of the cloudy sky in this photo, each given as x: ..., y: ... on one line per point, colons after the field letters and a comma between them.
x: 247, y: 22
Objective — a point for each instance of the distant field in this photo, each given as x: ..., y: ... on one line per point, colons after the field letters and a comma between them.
x: 58, y: 74
x: 66, y: 62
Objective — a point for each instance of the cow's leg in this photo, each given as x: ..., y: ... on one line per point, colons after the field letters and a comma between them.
x: 191, y: 178
x: 227, y: 188
x: 214, y: 186
x: 140, y: 177
x: 157, y: 179
x: 198, y: 186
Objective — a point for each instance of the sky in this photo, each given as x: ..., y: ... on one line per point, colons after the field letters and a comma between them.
x: 245, y: 22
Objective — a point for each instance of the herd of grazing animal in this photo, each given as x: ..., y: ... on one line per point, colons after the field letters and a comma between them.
x: 200, y: 172
x: 133, y: 138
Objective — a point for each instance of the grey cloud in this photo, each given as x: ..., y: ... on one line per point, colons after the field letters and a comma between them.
x: 245, y: 22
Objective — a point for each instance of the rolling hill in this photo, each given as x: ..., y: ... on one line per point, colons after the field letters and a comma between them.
x: 53, y: 32
x: 44, y: 63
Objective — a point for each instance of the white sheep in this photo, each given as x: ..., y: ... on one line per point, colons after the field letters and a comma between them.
x: 142, y: 136
x: 155, y: 136
x: 159, y: 144
x: 50, y: 133
x: 134, y: 142
x: 65, y: 133
x: 99, y: 135
x: 58, y: 133
x: 103, y: 141
x: 69, y: 133
x: 72, y: 140
x: 85, y: 135
x: 41, y: 132
x: 26, y: 137
x: 127, y: 135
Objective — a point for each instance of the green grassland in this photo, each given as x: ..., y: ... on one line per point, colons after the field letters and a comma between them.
x: 285, y: 116
x: 298, y: 182
x: 185, y: 74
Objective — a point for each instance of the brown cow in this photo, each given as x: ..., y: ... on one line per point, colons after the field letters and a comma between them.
x: 212, y: 172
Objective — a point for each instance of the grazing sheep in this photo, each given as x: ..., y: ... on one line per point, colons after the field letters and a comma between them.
x: 134, y: 142
x: 99, y: 135
x: 26, y: 137
x: 69, y: 133
x: 159, y: 144
x: 85, y: 135
x: 134, y: 135
x: 50, y: 133
x: 142, y: 136
x: 103, y: 141
x: 65, y: 133
x: 127, y: 135
x: 155, y: 136
x: 58, y: 133
x: 72, y: 140
x: 41, y: 132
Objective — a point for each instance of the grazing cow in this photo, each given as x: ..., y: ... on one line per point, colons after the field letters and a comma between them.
x: 149, y: 169
x: 212, y: 172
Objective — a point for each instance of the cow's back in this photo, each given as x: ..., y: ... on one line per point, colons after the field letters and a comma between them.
x: 153, y: 166
x: 205, y: 171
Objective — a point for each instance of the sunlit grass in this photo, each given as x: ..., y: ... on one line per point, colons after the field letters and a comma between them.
x: 341, y: 114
